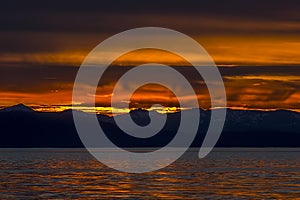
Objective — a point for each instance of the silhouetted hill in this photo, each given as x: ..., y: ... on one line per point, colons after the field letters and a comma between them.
x: 17, y: 108
x: 20, y: 126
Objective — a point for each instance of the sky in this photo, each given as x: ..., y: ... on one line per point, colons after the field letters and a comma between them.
x: 256, y: 45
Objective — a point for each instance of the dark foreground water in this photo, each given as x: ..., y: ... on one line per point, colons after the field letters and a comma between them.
x: 224, y: 174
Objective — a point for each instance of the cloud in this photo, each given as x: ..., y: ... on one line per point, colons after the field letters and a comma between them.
x: 43, y: 44
x: 250, y: 87
x: 116, y: 15
x: 240, y: 33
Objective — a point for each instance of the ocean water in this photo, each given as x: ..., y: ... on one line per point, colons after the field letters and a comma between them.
x: 224, y: 174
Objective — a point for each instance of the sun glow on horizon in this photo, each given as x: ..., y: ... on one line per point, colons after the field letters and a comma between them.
x: 105, y: 110
x: 251, y: 91
x: 119, y: 111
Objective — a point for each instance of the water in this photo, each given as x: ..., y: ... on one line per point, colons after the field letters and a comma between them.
x: 224, y: 174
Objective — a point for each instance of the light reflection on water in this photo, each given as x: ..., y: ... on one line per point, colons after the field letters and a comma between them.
x: 224, y: 174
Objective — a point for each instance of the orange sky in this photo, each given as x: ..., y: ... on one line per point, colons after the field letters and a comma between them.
x: 255, y: 44
x: 267, y: 49
x: 262, y: 89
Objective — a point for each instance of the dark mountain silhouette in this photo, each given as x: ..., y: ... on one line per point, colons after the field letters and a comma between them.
x: 20, y: 126
x: 17, y: 108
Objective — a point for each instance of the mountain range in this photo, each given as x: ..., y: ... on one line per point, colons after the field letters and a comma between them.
x: 22, y: 127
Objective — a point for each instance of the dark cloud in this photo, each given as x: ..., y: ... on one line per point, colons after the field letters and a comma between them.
x: 50, y: 26
x: 243, y: 80
x: 26, y: 78
x: 115, y: 16
x: 260, y: 70
x: 36, y: 79
x: 261, y: 8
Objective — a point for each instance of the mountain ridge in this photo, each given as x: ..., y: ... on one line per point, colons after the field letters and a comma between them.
x: 242, y: 128
x: 17, y: 108
x: 23, y: 107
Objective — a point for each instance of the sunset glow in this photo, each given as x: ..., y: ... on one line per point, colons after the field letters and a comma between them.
x: 258, y: 57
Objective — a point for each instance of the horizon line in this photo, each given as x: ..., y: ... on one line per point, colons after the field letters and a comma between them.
x: 108, y: 110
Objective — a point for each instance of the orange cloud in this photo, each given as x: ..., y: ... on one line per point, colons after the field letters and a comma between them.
x: 256, y: 90
x: 226, y: 49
